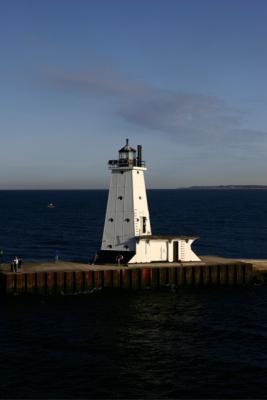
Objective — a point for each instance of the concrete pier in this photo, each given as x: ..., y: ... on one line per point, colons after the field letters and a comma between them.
x: 77, y: 278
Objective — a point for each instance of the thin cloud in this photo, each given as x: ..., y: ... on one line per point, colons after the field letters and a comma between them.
x: 190, y: 118
x: 101, y: 82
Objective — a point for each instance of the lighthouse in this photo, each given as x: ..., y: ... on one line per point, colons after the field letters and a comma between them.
x: 127, y: 230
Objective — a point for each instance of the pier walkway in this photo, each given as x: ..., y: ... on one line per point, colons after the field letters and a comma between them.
x: 63, y: 277
x: 50, y: 266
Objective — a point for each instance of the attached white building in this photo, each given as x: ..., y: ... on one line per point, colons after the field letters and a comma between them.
x: 127, y: 229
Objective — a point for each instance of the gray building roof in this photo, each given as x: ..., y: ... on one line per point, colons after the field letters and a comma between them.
x: 166, y: 237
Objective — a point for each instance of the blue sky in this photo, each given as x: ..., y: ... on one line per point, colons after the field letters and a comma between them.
x: 187, y: 79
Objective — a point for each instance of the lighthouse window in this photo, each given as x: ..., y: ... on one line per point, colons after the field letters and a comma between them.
x: 111, y: 219
x: 110, y: 246
x: 140, y: 197
x: 127, y: 220
x: 144, y: 224
x: 137, y: 219
x: 120, y: 197
x: 138, y: 172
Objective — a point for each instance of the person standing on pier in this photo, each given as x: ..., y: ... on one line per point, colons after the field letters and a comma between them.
x: 95, y: 259
x: 119, y: 259
x: 56, y: 255
x: 16, y: 263
x: 19, y: 263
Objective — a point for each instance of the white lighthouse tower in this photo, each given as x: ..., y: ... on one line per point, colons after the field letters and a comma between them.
x: 127, y: 229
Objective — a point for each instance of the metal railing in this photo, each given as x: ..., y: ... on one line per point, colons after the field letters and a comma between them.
x: 126, y: 163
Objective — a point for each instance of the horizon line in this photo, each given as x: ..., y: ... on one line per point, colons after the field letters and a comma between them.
x: 171, y: 188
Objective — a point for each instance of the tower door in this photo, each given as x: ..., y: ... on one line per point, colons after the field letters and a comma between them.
x: 144, y: 219
x: 175, y: 252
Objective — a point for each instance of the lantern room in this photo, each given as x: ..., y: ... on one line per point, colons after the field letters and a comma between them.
x: 128, y: 157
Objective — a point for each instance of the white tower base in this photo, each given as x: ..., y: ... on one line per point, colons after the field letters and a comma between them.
x: 164, y: 249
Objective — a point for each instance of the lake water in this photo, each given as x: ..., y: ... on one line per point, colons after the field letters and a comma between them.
x: 184, y: 343
x: 229, y: 223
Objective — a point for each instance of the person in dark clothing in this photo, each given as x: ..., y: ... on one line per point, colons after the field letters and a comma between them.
x: 56, y: 255
x: 119, y: 259
x: 20, y: 263
x: 1, y: 256
x: 96, y: 258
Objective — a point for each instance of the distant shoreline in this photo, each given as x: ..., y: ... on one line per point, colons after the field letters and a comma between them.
x: 226, y: 187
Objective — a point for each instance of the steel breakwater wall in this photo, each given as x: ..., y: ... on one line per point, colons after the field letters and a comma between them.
x: 78, y: 282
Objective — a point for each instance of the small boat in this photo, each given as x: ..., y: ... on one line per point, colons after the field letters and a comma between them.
x: 51, y: 205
